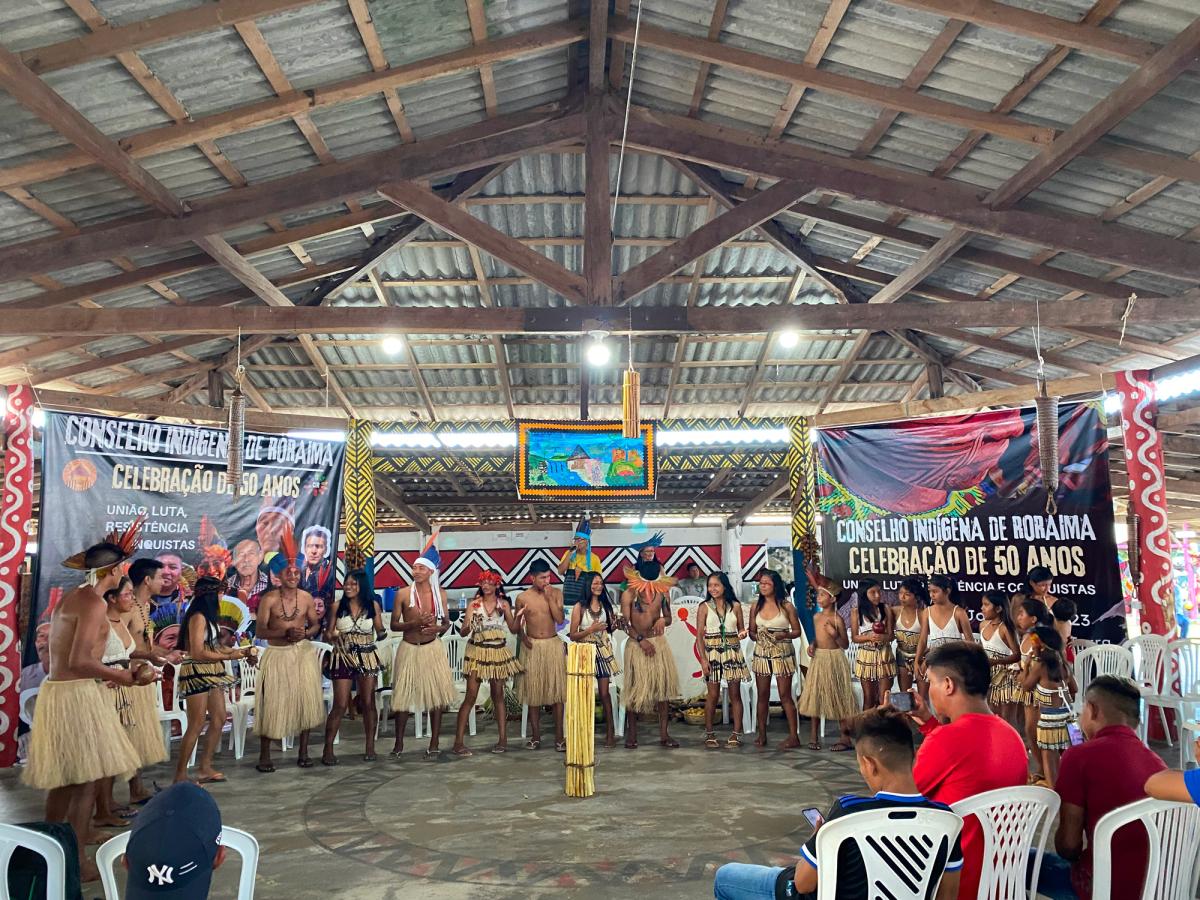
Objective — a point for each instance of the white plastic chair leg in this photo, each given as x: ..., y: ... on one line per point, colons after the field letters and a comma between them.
x: 471, y: 720
x: 524, y: 721
x: 724, y: 704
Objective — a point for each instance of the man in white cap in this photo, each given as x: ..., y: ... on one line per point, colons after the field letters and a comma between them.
x: 421, y: 677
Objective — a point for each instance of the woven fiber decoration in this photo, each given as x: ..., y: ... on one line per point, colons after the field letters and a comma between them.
x: 580, y: 723
x: 631, y: 397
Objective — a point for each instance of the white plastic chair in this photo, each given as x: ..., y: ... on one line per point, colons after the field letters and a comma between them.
x: 456, y: 650
x: 1149, y: 661
x: 323, y: 650
x: 750, y: 688
x: 1097, y: 660
x: 242, y: 708
x: 616, y: 684
x: 901, y: 856
x: 14, y: 836
x: 1014, y: 821
x: 175, y: 714
x: 241, y: 842
x: 27, y: 703
x: 383, y: 691
x: 1180, y: 686
x: 1173, y: 830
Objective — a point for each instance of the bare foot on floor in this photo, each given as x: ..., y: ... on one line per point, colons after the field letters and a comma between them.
x: 110, y: 822
x: 790, y: 744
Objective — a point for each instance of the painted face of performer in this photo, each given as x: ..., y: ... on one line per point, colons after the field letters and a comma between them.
x: 580, y: 545
x: 421, y: 574
x: 290, y: 577
x: 314, y: 548
x: 124, y: 601
x: 540, y: 581
x: 647, y: 554
x: 766, y: 586
x: 171, y: 572
x: 247, y: 556
x: 716, y: 589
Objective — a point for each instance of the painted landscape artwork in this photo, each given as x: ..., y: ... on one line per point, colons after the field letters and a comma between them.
x: 584, y: 460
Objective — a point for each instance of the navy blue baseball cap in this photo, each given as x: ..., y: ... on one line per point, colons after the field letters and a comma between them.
x: 173, y: 845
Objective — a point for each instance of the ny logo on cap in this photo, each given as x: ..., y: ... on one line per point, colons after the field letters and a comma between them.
x: 161, y: 875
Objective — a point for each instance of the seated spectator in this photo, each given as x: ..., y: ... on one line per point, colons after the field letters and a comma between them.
x: 1183, y: 787
x: 884, y: 747
x: 1107, y: 771
x: 693, y: 584
x: 972, y: 752
x: 175, y: 845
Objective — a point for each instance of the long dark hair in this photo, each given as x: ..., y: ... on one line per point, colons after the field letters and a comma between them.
x: 946, y: 584
x: 916, y: 586
x: 1052, y: 647
x: 999, y: 600
x: 605, y: 603
x: 366, y: 598
x: 728, y: 595
x: 1039, y: 611
x: 206, y: 601
x: 872, y: 612
x: 781, y: 596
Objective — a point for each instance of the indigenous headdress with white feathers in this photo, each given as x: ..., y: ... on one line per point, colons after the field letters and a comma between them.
x: 431, y: 560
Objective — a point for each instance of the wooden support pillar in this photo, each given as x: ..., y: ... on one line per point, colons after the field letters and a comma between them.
x: 585, y: 380
x: 935, y: 375
x: 216, y: 389
x: 358, y: 491
x: 802, y: 485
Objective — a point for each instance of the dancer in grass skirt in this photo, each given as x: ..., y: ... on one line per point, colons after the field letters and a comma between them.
x: 487, y: 621
x: 719, y: 634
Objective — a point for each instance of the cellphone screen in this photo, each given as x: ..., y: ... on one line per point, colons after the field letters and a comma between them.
x: 1075, y: 734
x: 901, y: 700
x: 813, y: 815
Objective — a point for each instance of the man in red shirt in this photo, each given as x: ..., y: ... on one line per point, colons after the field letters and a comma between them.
x: 1107, y: 771
x: 972, y: 751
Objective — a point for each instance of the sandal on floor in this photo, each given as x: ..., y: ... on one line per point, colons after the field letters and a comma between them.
x: 331, y: 761
x: 265, y: 768
x: 531, y: 744
x: 710, y: 741
x: 462, y: 751
x: 631, y: 745
x: 395, y: 754
x: 841, y: 747
x: 814, y: 745
x: 369, y: 757
x: 560, y: 746
x: 735, y: 740
x: 669, y: 743
x: 304, y: 762
x: 432, y: 755
x: 500, y: 748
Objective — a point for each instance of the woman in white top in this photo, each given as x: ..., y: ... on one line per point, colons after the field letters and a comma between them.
x: 487, y: 621
x: 871, y: 628
x: 593, y: 620
x: 719, y: 633
x: 353, y: 626
x: 943, y: 622
x: 773, y: 626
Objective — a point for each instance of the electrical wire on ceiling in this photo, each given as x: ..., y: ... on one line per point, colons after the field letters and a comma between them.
x: 637, y: 27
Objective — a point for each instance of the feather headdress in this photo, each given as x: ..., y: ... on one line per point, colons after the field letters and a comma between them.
x: 289, y: 553
x: 114, y: 549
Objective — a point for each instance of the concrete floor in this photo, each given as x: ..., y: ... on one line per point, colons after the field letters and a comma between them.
x: 493, y: 827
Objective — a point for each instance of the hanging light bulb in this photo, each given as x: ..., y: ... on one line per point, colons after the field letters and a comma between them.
x: 788, y: 339
x: 393, y: 345
x: 598, y: 352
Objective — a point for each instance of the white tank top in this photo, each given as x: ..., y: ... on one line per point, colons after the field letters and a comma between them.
x: 358, y: 625
x: 996, y: 644
x: 712, y: 620
x: 941, y: 635
x: 114, y: 650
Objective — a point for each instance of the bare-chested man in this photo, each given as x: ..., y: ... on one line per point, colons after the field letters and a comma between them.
x: 77, y: 738
x: 650, y: 676
x: 149, y: 577
x: 421, y: 676
x: 544, y: 681
x: 288, y: 699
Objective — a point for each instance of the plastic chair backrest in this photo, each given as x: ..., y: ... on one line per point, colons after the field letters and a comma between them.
x: 249, y: 677
x: 27, y: 704
x: 241, y: 842
x: 456, y: 646
x: 1149, y: 654
x: 618, y: 644
x: 1184, y: 672
x: 1102, y: 659
x: 14, y: 836
x: 904, y: 850
x: 158, y: 692
x: 1173, y: 830
x: 1014, y: 821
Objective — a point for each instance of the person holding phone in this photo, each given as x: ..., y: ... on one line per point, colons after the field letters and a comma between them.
x: 884, y: 746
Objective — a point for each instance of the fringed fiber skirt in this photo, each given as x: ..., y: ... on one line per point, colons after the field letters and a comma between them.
x: 76, y: 737
x: 1052, y: 733
x: 200, y: 677
x: 906, y: 650
x: 288, y: 698
x: 1004, y: 688
x: 827, y: 693
x: 488, y: 658
x: 649, y: 680
x: 421, y: 677
x: 725, y: 660
x: 544, y: 681
x: 874, y: 662
x: 146, y: 733
x: 773, y: 657
x: 606, y: 661
x: 353, y: 655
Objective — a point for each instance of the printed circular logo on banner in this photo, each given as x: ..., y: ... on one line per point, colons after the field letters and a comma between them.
x: 79, y: 474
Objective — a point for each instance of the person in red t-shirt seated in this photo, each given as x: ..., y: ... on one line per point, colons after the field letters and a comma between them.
x: 1107, y: 771
x: 972, y: 751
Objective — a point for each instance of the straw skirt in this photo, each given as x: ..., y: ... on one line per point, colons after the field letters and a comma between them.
x: 874, y: 662
x: 725, y: 660
x: 544, y: 681
x: 77, y: 736
x: 827, y: 692
x: 421, y: 677
x: 773, y: 657
x: 487, y: 656
x: 649, y: 680
x: 288, y: 698
x: 145, y: 733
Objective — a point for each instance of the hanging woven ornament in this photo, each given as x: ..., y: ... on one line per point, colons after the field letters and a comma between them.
x: 237, y: 434
x: 631, y: 393
x: 1047, y: 437
x: 1133, y: 545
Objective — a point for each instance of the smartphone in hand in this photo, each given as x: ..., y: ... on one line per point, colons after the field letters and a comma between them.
x: 900, y: 700
x: 1075, y: 734
x: 815, y: 819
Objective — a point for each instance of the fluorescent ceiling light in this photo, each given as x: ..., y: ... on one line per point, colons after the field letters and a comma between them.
x: 315, y: 435
x: 476, y: 440
x: 769, y: 519
x: 697, y: 436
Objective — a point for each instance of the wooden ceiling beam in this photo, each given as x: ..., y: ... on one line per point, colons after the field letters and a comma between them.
x: 765, y: 496
x: 597, y: 212
x: 449, y: 218
x: 743, y: 152
x: 116, y: 359
x: 712, y: 234
x: 148, y: 32
x: 493, y: 141
x: 278, y: 109
x: 41, y: 100
x: 387, y: 491
x: 915, y: 343
x: 598, y: 45
x: 988, y: 342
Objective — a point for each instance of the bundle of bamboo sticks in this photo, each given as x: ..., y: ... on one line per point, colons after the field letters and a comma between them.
x: 631, y: 400
x: 581, y: 720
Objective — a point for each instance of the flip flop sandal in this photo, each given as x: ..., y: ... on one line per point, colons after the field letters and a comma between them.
x: 561, y: 746
x: 395, y: 754
x: 499, y: 749
x: 304, y: 762
x: 432, y: 755
x: 841, y: 747
x: 332, y: 761
x: 735, y: 741
x: 265, y: 768
x: 125, y: 812
x: 814, y: 745
x: 669, y: 743
x: 462, y: 751
x: 631, y: 745
x: 710, y: 741
x: 369, y: 757
x: 216, y: 778
x: 531, y: 744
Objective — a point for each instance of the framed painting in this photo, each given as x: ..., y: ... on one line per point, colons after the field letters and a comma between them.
x: 584, y: 461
